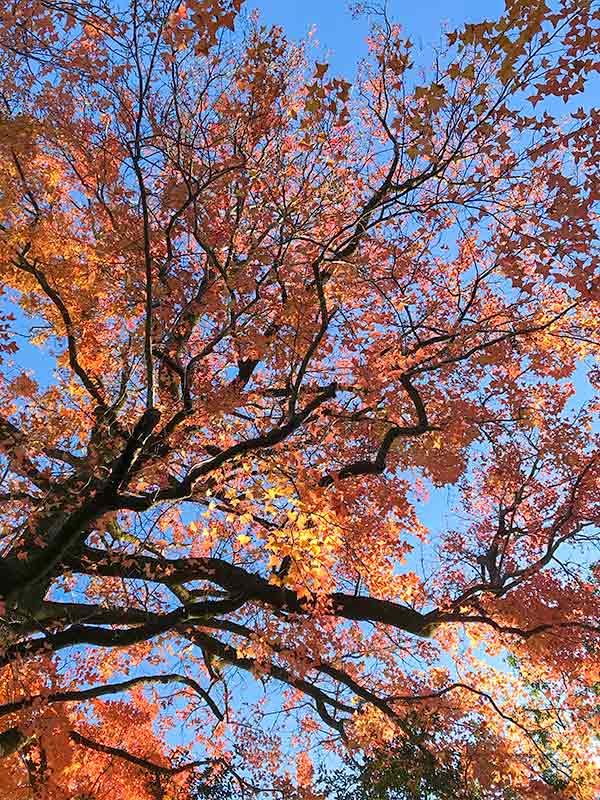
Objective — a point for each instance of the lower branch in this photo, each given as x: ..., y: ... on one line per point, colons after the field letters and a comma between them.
x: 118, y: 752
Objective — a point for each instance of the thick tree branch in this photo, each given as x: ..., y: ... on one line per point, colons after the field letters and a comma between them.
x: 254, y: 587
x: 78, y: 696
x: 116, y: 637
x: 271, y: 438
x: 144, y: 763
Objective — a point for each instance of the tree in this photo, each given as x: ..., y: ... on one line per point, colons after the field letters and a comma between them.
x: 251, y: 313
x: 399, y: 772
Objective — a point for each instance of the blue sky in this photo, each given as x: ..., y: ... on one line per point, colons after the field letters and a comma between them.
x: 344, y: 37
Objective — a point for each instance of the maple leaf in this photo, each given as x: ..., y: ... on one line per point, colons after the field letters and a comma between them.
x: 320, y: 70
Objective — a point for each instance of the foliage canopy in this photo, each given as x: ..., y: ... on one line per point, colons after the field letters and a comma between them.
x: 250, y: 313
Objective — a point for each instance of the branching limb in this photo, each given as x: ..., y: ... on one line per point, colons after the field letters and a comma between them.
x: 78, y: 696
x: 151, y: 766
x: 378, y: 465
x: 92, y: 383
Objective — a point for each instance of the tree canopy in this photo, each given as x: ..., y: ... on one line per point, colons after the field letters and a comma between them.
x: 251, y: 313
